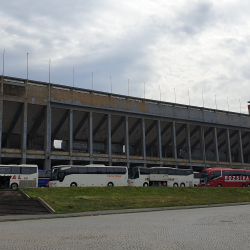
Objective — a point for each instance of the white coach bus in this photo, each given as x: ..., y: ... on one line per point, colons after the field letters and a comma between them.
x: 14, y: 176
x: 161, y: 176
x: 88, y: 176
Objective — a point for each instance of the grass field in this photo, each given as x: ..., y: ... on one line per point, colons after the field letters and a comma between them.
x: 73, y: 200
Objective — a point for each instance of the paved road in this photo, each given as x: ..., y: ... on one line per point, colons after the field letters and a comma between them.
x: 201, y: 228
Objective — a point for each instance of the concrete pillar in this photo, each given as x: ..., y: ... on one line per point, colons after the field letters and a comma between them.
x: 174, y: 149
x: 202, y: 145
x: 188, y: 143
x: 126, y: 135
x: 1, y: 126
x: 109, y: 139
x: 47, y: 137
x: 216, y: 152
x: 159, y: 139
x: 228, y: 145
x: 143, y: 139
x: 90, y: 140
x: 24, y: 132
x: 70, y: 139
x: 240, y: 149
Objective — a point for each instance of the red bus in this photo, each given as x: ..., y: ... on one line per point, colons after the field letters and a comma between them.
x: 225, y: 177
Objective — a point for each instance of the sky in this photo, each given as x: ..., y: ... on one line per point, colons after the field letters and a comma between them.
x: 188, y: 52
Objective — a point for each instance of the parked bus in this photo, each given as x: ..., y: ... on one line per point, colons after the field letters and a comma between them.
x: 43, y: 177
x: 196, y: 178
x: 161, y: 176
x: 88, y: 176
x: 225, y: 177
x: 14, y: 176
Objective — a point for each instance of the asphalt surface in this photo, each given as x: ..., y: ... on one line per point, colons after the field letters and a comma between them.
x: 213, y: 227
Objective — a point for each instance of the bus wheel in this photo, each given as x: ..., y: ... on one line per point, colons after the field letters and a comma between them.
x: 73, y: 184
x: 182, y: 185
x: 219, y: 185
x: 14, y: 186
x: 175, y: 185
x: 110, y: 184
x: 145, y: 184
x: 243, y: 185
x: 248, y: 185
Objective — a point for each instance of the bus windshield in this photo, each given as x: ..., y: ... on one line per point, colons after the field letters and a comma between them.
x: 54, y: 174
x: 204, y: 177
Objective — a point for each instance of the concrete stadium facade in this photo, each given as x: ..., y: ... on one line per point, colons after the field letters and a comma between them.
x: 111, y: 129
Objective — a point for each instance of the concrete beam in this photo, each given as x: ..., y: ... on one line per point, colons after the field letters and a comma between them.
x: 37, y: 124
x: 224, y: 142
x: 13, y: 123
x: 47, y: 138
x: 205, y: 135
x: 24, y: 132
x: 59, y: 125
x: 79, y: 126
x: 102, y: 121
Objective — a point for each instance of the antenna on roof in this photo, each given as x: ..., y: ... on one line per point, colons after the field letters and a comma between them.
x: 128, y: 87
x: 92, y: 80
x: 3, y: 73
x: 49, y: 79
x: 111, y: 83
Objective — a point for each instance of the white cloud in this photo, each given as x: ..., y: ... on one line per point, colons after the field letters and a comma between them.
x: 195, y: 46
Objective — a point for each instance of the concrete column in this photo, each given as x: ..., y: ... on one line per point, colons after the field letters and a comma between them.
x: 109, y: 139
x: 174, y: 149
x: 188, y: 143
x: 47, y: 137
x: 24, y: 132
x: 1, y: 126
x: 126, y: 135
x: 240, y: 150
x: 229, y: 157
x: 90, y: 140
x: 216, y: 152
x: 202, y: 145
x: 70, y: 139
x: 143, y: 139
x: 159, y: 139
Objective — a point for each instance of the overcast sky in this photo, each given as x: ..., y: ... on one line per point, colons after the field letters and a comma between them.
x: 184, y: 47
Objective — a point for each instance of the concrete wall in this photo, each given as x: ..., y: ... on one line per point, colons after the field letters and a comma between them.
x: 97, y: 127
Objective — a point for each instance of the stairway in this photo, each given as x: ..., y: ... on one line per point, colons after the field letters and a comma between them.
x: 14, y: 202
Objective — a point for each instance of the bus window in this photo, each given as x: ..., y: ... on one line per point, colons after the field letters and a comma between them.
x: 188, y: 172
x: 83, y: 170
x: 5, y: 170
x: 28, y: 170
x: 234, y: 173
x: 119, y: 170
x: 215, y: 175
x: 101, y: 170
x: 226, y: 173
x: 242, y: 173
x: 196, y: 175
x: 16, y: 170
x: 92, y: 170
x: 180, y: 172
x: 144, y: 171
x: 171, y: 172
x: 110, y: 170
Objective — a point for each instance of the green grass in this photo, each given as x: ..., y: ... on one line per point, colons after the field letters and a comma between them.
x: 74, y: 200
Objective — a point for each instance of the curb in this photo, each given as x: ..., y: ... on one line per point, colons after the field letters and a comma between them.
x: 110, y: 212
